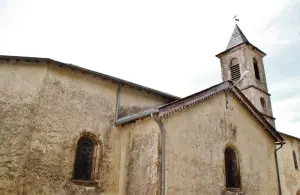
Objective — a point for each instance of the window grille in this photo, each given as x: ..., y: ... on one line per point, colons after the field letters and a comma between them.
x: 231, y: 169
x: 83, y: 159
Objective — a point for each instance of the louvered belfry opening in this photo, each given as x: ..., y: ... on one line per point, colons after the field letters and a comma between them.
x: 235, y: 70
x: 256, y: 69
x: 84, y: 159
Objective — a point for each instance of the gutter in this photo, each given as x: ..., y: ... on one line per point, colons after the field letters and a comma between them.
x: 163, y: 151
x: 277, y: 166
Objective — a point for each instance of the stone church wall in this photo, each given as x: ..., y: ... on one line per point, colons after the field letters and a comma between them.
x: 289, y: 175
x: 19, y: 89
x: 132, y: 101
x: 44, y: 110
x: 196, y: 139
x: 140, y: 158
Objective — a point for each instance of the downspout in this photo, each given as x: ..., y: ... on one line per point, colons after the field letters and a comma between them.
x: 163, y: 151
x: 117, y: 103
x: 277, y: 167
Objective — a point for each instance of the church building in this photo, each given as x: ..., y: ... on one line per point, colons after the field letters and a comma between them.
x: 68, y: 130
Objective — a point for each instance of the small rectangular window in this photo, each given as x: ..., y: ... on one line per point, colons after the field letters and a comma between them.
x: 295, y: 160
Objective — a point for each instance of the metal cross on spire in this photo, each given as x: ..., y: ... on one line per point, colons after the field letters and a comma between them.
x: 235, y: 17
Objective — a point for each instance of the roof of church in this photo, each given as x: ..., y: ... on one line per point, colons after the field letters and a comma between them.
x: 180, y: 104
x: 290, y: 136
x: 104, y: 76
x: 237, y: 38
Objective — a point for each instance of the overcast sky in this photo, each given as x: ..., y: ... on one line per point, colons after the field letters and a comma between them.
x: 169, y: 45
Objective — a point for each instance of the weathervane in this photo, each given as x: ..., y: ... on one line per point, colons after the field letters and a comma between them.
x: 235, y: 17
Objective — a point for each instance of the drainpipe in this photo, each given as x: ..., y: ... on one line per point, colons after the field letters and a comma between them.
x: 117, y: 103
x: 163, y: 151
x: 277, y: 167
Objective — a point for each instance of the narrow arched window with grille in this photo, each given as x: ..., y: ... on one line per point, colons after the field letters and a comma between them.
x: 256, y: 69
x: 295, y: 160
x: 83, y: 164
x: 231, y: 169
x: 235, y: 69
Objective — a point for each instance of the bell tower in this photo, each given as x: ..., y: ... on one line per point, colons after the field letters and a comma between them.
x: 240, y: 56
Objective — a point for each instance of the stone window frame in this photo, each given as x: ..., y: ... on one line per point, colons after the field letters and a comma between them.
x: 98, y: 149
x: 238, y: 164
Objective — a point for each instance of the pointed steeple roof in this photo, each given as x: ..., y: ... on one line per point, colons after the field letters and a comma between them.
x: 237, y: 38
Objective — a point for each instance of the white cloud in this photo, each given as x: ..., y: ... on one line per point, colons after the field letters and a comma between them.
x: 286, y: 106
x: 168, y: 45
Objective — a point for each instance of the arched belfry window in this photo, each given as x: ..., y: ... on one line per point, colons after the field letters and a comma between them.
x: 256, y: 69
x: 83, y: 165
x: 295, y: 160
x: 231, y: 169
x: 235, y: 69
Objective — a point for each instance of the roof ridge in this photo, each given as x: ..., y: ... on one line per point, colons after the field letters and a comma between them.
x: 105, y: 76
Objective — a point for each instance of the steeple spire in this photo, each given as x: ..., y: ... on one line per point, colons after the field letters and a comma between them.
x: 237, y: 38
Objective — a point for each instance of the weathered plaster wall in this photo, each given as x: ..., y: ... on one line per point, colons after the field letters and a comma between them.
x: 141, y: 157
x: 133, y: 101
x: 196, y: 139
x: 256, y: 95
x: 290, y: 177
x: 19, y: 88
x: 44, y: 110
x: 69, y: 104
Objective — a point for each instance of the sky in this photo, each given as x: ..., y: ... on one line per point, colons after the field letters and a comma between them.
x: 169, y: 45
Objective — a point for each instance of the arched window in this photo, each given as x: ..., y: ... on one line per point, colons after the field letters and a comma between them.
x: 235, y: 69
x: 231, y: 169
x: 263, y: 103
x: 256, y: 69
x: 295, y: 160
x: 83, y: 164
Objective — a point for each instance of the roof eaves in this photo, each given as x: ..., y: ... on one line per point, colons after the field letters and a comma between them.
x: 290, y: 136
x: 179, y: 105
x: 105, y: 76
x: 232, y: 48
x: 136, y: 116
x: 193, y: 99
